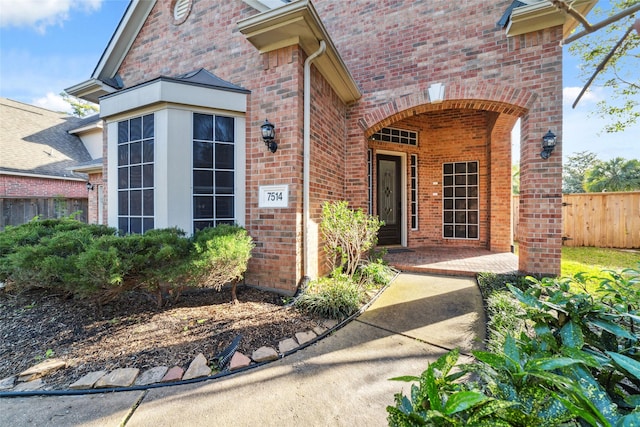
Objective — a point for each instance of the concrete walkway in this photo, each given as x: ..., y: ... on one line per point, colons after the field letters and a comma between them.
x: 342, y: 380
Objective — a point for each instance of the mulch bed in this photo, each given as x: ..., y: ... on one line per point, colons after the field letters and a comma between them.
x: 133, y: 333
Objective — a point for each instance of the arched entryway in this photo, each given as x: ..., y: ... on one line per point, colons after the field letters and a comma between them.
x: 440, y: 175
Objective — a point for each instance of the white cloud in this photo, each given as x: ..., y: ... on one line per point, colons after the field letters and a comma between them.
x: 40, y: 14
x: 25, y: 76
x: 53, y: 102
x: 570, y: 94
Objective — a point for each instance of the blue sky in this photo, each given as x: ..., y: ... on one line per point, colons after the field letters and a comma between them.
x: 49, y: 45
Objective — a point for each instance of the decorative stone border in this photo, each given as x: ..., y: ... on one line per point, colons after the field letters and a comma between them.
x: 32, y: 379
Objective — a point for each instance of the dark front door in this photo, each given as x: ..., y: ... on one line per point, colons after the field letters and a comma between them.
x: 389, y: 199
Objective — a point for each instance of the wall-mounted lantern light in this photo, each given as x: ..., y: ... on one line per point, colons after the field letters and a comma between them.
x: 89, y: 186
x: 549, y: 141
x: 268, y: 131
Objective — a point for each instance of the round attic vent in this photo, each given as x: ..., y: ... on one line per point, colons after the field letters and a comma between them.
x: 181, y: 9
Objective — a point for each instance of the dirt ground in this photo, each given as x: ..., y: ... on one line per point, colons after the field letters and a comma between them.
x: 133, y: 333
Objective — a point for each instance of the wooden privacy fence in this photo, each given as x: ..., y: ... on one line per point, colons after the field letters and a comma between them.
x: 19, y: 211
x: 604, y: 220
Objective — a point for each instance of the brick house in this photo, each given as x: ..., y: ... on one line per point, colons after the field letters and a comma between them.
x: 402, y: 107
x: 38, y: 150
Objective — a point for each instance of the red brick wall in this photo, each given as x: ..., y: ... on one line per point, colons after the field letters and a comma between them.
x: 443, y: 137
x: 395, y: 49
x: 399, y: 47
x: 25, y: 187
x: 93, y: 196
x: 209, y: 39
x: 328, y: 180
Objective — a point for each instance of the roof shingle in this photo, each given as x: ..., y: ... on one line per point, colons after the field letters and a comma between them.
x: 35, y: 140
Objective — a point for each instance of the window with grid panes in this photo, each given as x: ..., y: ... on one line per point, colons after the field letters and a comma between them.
x: 414, y: 192
x: 213, y: 170
x: 135, y: 174
x: 460, y: 200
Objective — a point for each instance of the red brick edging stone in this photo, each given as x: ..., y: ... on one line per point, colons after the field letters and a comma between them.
x: 32, y: 378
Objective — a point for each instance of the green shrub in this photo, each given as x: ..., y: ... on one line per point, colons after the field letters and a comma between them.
x: 348, y: 235
x: 335, y: 297
x: 16, y: 239
x: 504, y: 318
x: 492, y: 282
x: 374, y: 274
x: 89, y: 261
x: 219, y: 255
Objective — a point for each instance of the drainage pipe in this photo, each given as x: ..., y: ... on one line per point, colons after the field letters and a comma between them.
x: 307, y: 158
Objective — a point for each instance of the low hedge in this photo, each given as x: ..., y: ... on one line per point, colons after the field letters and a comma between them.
x: 94, y: 262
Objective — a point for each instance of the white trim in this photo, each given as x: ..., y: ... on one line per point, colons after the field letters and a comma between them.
x: 264, y: 5
x: 403, y: 191
x: 163, y: 91
x: 123, y: 38
x: 543, y: 14
x: 35, y: 175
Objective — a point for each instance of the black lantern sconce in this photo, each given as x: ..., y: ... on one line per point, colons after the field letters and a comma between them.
x: 268, y: 131
x: 549, y: 141
x: 89, y: 186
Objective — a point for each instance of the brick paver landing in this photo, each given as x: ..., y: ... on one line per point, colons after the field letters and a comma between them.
x: 453, y: 261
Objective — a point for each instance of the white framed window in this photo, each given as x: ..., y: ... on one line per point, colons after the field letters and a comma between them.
x: 460, y: 214
x: 135, y: 166
x: 214, y: 170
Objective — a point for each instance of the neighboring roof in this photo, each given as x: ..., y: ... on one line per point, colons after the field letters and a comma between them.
x: 36, y: 141
x: 535, y: 15
x: 87, y: 124
x: 298, y: 23
x: 91, y: 166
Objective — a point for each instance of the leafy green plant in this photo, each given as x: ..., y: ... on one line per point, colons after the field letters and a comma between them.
x: 439, y: 399
x: 574, y: 360
x: 348, y: 234
x: 374, y: 274
x: 336, y: 297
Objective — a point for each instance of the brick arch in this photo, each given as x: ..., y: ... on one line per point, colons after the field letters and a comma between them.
x: 499, y: 99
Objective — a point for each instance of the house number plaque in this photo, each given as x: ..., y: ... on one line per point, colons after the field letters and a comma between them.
x: 274, y: 196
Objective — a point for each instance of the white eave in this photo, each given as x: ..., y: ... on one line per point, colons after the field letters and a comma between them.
x: 112, y: 57
x: 88, y: 128
x: 299, y: 23
x: 543, y: 14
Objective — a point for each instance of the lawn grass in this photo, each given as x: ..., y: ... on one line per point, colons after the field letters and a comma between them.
x: 593, y: 260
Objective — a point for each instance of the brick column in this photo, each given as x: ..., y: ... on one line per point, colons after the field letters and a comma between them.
x: 540, y: 246
x: 540, y: 194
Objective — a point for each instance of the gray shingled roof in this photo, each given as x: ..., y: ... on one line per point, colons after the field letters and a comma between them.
x: 34, y: 140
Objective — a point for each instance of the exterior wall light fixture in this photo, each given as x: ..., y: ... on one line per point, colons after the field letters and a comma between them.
x: 268, y: 131
x: 89, y: 186
x: 549, y: 141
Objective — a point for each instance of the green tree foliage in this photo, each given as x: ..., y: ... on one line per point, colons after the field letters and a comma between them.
x: 515, y: 179
x: 574, y: 170
x: 80, y: 108
x: 620, y: 73
x: 614, y: 175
